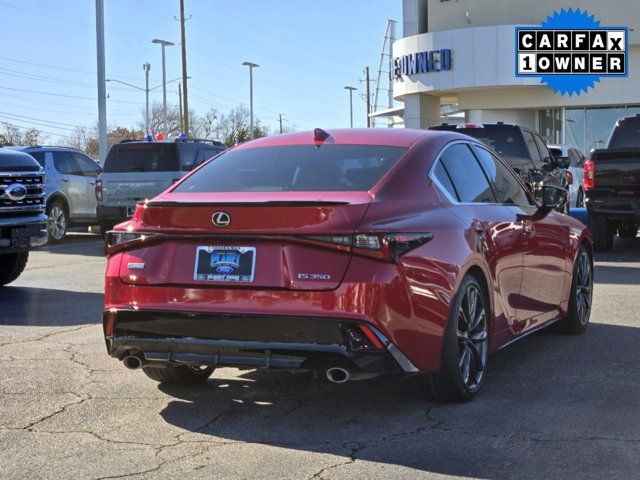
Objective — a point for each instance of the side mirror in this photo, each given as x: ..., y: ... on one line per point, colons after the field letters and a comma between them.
x: 553, y: 197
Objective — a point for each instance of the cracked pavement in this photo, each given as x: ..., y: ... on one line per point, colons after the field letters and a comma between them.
x: 553, y: 406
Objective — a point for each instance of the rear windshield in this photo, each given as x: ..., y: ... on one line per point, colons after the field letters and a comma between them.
x: 142, y: 157
x: 626, y: 135
x: 504, y: 140
x: 294, y: 168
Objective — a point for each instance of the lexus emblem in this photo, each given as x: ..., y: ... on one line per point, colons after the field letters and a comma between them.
x: 16, y: 192
x: 221, y: 219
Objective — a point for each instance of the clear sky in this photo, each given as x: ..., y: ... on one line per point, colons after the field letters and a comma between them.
x: 308, y: 50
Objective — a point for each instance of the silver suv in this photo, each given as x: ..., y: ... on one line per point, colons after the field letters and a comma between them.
x: 139, y: 170
x: 69, y: 191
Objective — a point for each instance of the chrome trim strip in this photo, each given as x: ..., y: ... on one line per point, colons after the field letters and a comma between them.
x: 529, y: 332
x: 34, y: 173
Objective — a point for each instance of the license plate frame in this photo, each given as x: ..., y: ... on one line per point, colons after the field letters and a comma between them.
x: 224, y: 264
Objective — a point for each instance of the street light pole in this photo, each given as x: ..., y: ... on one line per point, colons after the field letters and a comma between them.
x: 164, y: 43
x: 251, y: 67
x: 146, y: 67
x: 102, y: 86
x: 351, y: 89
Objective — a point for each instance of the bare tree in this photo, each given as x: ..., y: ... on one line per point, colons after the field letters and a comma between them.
x: 234, y: 126
x: 156, y: 119
x: 13, y: 135
x: 207, y: 126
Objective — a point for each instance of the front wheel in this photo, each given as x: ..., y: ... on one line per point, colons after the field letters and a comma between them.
x: 11, y: 266
x: 179, y: 375
x: 56, y: 221
x: 580, y: 199
x: 581, y: 296
x: 465, y: 347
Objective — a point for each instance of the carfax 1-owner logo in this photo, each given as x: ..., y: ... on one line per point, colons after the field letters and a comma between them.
x: 571, y: 51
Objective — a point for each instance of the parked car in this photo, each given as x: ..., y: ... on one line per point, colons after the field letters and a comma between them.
x: 523, y: 149
x: 612, y: 185
x: 23, y: 224
x: 571, y: 159
x: 352, y: 253
x: 69, y: 191
x: 139, y: 170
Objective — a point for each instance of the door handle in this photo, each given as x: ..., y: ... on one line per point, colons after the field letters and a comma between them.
x: 65, y: 180
x: 92, y: 183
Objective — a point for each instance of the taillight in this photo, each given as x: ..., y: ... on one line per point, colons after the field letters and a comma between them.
x: 120, y: 239
x: 385, y: 246
x: 589, y: 178
x: 98, y: 190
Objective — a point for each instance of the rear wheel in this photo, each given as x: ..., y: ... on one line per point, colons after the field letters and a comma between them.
x: 56, y: 221
x: 465, y: 347
x: 581, y: 295
x: 11, y: 266
x: 179, y: 375
x: 627, y: 231
x: 580, y: 199
x: 602, y: 233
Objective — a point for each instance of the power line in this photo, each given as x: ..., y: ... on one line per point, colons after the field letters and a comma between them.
x: 64, y: 96
x: 58, y: 67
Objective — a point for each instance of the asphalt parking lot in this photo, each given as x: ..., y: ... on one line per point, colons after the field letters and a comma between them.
x: 553, y: 406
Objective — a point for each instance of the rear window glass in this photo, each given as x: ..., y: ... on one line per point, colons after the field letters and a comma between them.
x: 504, y: 140
x: 295, y: 168
x: 142, y: 157
x: 626, y: 135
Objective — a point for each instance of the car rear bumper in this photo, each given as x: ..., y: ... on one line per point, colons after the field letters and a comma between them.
x: 113, y: 215
x: 614, y: 208
x: 270, y: 341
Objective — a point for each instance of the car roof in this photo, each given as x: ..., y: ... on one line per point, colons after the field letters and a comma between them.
x: 392, y: 137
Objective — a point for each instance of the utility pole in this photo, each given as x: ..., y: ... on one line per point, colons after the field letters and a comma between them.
x: 184, y: 70
x: 280, y: 117
x: 180, y: 103
x: 368, y: 80
x: 251, y: 67
x: 146, y: 67
x: 102, y: 86
x: 351, y: 89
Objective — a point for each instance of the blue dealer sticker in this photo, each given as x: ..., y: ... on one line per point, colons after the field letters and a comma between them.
x: 570, y: 51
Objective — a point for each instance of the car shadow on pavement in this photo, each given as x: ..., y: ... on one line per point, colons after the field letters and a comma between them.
x: 551, y: 407
x: 27, y: 306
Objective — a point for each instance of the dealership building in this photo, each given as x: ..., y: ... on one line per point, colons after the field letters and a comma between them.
x: 476, y: 81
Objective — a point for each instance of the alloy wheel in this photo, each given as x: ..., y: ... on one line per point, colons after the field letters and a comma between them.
x: 57, y: 223
x: 473, y: 338
x: 584, y: 288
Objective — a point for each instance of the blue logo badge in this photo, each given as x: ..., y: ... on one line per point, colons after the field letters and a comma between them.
x: 570, y: 51
x: 224, y: 269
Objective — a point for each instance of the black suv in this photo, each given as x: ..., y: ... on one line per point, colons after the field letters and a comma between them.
x: 523, y: 149
x: 23, y: 223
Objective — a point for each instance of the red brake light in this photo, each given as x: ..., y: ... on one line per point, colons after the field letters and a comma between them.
x: 469, y: 125
x: 98, y: 190
x: 589, y: 179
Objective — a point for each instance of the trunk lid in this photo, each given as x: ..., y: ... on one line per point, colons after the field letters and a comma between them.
x: 272, y: 224
x: 618, y: 171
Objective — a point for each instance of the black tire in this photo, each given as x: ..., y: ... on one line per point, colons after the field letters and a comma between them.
x: 104, y: 228
x: 460, y: 339
x: 627, y: 231
x: 178, y: 375
x: 602, y: 233
x: 580, y: 199
x: 57, y: 221
x: 580, y: 299
x: 11, y: 266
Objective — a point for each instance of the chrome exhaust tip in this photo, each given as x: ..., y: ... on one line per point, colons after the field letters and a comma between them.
x: 132, y: 362
x: 338, y: 375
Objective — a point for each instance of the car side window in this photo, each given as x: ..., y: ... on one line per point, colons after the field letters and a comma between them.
x: 533, y: 149
x: 574, y: 158
x: 441, y: 175
x: 88, y: 168
x: 467, y: 178
x: 63, y: 163
x: 506, y: 187
x: 545, y: 155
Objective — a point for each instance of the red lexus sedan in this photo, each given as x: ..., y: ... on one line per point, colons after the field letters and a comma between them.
x: 349, y: 252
